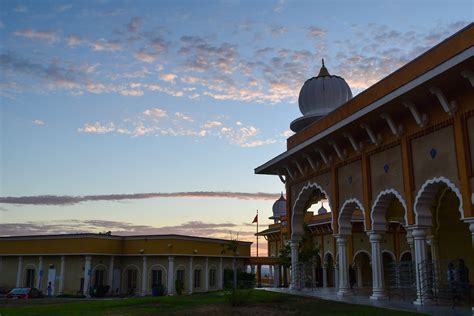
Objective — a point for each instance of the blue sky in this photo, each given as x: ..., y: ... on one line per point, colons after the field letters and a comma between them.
x: 120, y: 97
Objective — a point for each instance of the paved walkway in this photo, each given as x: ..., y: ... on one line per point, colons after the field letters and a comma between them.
x: 361, y: 299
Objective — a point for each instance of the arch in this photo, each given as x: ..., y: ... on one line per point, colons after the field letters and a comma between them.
x: 362, y: 251
x: 345, y: 215
x: 379, y: 209
x: 394, y: 258
x: 326, y: 255
x: 164, y: 275
x: 100, y: 265
x: 425, y: 196
x: 24, y: 275
x: 405, y: 253
x: 297, y: 216
x: 125, y: 277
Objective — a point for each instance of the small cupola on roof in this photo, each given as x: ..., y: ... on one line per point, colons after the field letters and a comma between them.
x: 319, y: 96
x: 279, y: 208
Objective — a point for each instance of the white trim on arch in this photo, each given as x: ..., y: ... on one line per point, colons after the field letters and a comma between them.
x: 300, y: 202
x: 405, y: 252
x: 345, y: 228
x: 380, y: 203
x: 164, y: 275
x: 424, y: 199
x: 328, y: 252
x: 362, y: 251
x: 394, y: 258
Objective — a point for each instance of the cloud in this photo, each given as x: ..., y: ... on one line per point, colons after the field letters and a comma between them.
x: 97, y: 128
x: 21, y: 9
x: 37, y: 35
x: 74, y: 40
x: 277, y: 30
x: 155, y: 113
x: 38, y: 122
x: 211, y: 124
x: 169, y: 77
x: 2, y: 209
x: 184, y: 117
x: 280, y: 5
x: 315, y: 32
x: 146, y: 57
x: 60, y: 200
x: 134, y: 24
x: 104, y: 45
x: 63, y: 8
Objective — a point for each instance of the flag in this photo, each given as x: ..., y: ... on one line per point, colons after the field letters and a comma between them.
x: 255, y: 220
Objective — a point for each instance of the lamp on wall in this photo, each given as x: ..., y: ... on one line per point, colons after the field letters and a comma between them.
x: 142, y: 251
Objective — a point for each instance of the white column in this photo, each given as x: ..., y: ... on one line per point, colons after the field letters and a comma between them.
x: 344, y: 288
x: 294, y: 285
x: 378, y: 290
x: 87, y: 274
x: 270, y: 268
x: 206, y: 274
x: 276, y: 279
x: 19, y: 271
x: 252, y: 269
x: 325, y: 275
x: 220, y: 275
x: 144, y: 276
x: 39, y: 279
x: 419, y: 236
x: 336, y: 276
x: 61, y: 275
x: 434, y: 245
x: 170, y: 275
x: 190, y: 281
x: 110, y: 279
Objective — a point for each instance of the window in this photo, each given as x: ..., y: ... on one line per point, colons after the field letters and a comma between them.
x: 156, y: 277
x: 131, y: 279
x: 30, y: 277
x: 180, y: 276
x: 212, y: 277
x: 99, y: 277
x: 197, y: 278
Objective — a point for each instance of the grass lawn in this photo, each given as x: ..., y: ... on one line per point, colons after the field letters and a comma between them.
x: 252, y: 302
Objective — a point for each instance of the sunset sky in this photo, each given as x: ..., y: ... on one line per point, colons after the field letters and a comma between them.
x: 132, y: 99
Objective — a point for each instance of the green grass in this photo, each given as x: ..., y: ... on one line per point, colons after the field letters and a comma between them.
x: 215, y: 303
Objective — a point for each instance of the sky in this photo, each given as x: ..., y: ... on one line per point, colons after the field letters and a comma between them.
x: 149, y: 117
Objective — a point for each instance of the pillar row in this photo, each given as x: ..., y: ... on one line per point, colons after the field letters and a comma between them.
x: 171, y: 275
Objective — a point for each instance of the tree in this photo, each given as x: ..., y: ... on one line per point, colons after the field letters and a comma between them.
x: 232, y: 246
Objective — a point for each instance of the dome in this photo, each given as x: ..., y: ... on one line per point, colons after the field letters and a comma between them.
x: 279, y: 208
x: 319, y: 96
x: 322, y: 210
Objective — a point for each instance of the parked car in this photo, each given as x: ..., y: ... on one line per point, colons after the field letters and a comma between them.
x: 25, y: 292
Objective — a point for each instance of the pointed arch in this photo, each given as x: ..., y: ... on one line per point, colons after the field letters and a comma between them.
x: 369, y: 255
x: 379, y: 208
x: 345, y: 215
x: 425, y: 196
x: 297, y: 216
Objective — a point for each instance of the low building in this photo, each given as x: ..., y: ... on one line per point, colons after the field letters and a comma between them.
x: 73, y: 263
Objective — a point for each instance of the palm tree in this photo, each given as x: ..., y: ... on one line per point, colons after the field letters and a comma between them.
x: 232, y: 246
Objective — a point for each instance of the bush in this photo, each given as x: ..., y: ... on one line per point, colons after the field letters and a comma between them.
x: 178, y: 286
x: 158, y: 290
x: 244, y: 280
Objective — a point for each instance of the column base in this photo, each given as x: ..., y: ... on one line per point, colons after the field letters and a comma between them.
x: 379, y: 296
x: 345, y: 292
x: 425, y: 301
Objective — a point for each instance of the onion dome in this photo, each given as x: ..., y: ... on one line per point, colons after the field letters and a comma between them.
x: 322, y: 210
x: 319, y: 96
x: 279, y: 208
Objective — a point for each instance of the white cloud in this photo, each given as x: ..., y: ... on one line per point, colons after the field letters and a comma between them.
x: 37, y: 35
x: 184, y: 117
x: 38, y: 122
x: 103, y: 45
x: 170, y: 77
x: 73, y: 40
x: 145, y: 57
x: 97, y: 128
x: 211, y: 124
x: 155, y: 113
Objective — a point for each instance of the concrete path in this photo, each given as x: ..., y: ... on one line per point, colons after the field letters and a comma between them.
x: 330, y: 294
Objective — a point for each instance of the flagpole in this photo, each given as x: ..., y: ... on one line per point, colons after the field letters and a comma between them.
x: 257, y: 233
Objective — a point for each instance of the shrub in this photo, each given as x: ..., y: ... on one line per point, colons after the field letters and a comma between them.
x: 179, y: 287
x: 244, y: 280
x: 158, y: 290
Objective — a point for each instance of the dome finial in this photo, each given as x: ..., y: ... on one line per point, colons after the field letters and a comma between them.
x: 323, y: 71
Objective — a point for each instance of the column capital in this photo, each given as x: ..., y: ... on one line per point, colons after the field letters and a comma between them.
x: 88, y: 258
x: 170, y: 258
x: 63, y: 258
x: 144, y: 258
x: 341, y: 239
x: 419, y: 232
x: 375, y: 237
